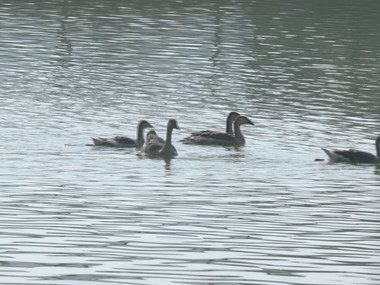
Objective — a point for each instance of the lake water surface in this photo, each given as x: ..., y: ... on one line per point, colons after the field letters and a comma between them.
x: 305, y: 72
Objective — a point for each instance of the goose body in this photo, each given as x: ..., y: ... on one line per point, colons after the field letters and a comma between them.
x: 353, y: 155
x: 220, y: 138
x: 123, y: 141
x: 229, y: 126
x: 155, y: 145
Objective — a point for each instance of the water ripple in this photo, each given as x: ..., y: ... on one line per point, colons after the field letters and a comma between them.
x: 264, y: 213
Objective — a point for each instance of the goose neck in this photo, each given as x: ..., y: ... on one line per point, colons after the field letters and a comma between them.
x: 238, y: 133
x: 169, y: 131
x: 229, y: 129
x: 168, y: 141
x: 140, y: 135
x: 230, y: 122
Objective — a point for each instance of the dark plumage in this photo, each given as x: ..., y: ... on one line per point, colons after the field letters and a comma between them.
x: 156, y: 145
x: 229, y: 128
x: 355, y: 156
x: 123, y: 141
x: 220, y: 138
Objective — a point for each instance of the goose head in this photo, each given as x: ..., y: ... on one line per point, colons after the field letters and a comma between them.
x: 232, y: 116
x: 145, y: 124
x: 241, y: 120
x: 173, y: 124
x: 151, y: 133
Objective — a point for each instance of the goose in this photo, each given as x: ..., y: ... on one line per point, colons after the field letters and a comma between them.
x: 156, y: 145
x: 353, y: 155
x: 220, y: 138
x: 123, y: 141
x: 229, y: 130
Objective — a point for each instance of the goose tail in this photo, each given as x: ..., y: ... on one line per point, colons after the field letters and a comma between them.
x: 335, y: 156
x: 98, y: 141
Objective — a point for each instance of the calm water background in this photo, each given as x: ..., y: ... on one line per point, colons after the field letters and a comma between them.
x: 306, y: 72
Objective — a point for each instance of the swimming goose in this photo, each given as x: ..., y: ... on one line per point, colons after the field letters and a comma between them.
x: 353, y: 155
x: 123, y: 141
x: 156, y: 145
x: 220, y: 138
x: 229, y: 130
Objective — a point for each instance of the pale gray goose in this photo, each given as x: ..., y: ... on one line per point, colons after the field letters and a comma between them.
x: 123, y: 141
x: 220, y: 138
x: 156, y: 145
x: 355, y: 156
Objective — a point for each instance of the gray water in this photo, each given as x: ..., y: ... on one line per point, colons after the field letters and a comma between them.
x: 305, y: 72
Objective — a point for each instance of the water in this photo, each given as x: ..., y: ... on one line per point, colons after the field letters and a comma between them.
x: 305, y: 73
